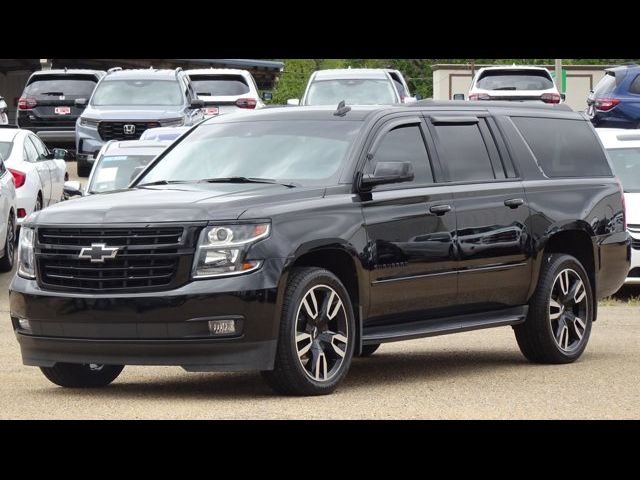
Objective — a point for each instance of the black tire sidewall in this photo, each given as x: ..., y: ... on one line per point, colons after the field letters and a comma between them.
x: 559, y: 263
x: 313, y: 277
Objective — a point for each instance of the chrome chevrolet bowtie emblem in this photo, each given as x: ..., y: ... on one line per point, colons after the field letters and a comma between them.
x: 129, y: 129
x: 98, y: 252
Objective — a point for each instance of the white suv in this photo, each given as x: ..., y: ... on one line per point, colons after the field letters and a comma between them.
x: 225, y: 90
x: 623, y: 147
x: 356, y: 86
x: 515, y: 83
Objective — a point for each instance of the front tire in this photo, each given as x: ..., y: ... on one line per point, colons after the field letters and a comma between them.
x: 76, y: 375
x: 6, y: 262
x: 317, y: 334
x: 560, y: 315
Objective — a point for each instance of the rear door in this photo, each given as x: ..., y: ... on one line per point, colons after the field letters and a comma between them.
x: 31, y: 155
x: 494, y: 263
x: 54, y: 97
x: 410, y: 228
x: 56, y: 171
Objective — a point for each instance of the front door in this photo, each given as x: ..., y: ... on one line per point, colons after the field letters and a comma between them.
x: 410, y: 228
x: 31, y: 155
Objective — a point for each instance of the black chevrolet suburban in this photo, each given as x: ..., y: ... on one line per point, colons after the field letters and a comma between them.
x: 291, y: 240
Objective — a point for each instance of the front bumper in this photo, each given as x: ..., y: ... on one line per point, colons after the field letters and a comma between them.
x: 152, y: 328
x: 634, y: 269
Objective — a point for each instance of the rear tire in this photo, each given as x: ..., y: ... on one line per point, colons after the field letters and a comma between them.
x: 560, y: 315
x: 317, y: 333
x: 76, y: 375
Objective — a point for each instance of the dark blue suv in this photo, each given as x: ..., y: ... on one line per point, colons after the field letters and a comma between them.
x: 615, y: 102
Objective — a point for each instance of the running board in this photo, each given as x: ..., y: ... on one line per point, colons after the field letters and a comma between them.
x: 444, y: 326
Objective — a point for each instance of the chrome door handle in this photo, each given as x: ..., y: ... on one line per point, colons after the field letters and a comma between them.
x: 440, y: 209
x: 513, y: 202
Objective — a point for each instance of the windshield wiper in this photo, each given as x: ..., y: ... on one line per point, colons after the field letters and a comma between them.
x: 161, y: 182
x: 246, y: 180
x: 58, y: 94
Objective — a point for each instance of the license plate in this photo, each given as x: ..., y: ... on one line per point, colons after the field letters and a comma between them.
x: 211, y: 111
x: 62, y: 110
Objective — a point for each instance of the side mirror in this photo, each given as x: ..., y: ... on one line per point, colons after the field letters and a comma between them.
x: 458, y: 96
x: 418, y: 97
x: 386, y: 173
x: 71, y: 189
x: 563, y: 96
x: 293, y: 101
x: 267, y: 96
x: 196, y: 103
x: 59, y: 153
x: 80, y: 102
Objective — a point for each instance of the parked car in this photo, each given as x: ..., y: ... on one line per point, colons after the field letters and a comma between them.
x: 7, y: 212
x: 623, y: 147
x: 252, y: 243
x: 116, y: 165
x: 125, y: 103
x: 225, y: 90
x: 513, y: 83
x: 39, y: 173
x: 356, y: 86
x: 163, y: 133
x: 48, y: 104
x: 615, y: 102
x: 4, y: 109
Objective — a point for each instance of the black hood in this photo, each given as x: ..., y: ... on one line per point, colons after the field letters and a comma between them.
x: 172, y: 203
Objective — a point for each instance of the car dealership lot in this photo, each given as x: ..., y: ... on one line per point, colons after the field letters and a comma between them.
x: 478, y: 374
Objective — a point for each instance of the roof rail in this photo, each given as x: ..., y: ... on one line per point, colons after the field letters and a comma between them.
x: 114, y: 69
x: 489, y: 103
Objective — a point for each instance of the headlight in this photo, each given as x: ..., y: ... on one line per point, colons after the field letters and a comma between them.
x: 178, y: 122
x: 222, y: 249
x: 26, y: 257
x: 87, y: 122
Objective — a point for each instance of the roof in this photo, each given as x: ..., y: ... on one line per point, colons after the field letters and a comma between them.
x: 217, y: 71
x: 69, y: 71
x: 143, y: 74
x: 236, y: 62
x: 336, y: 73
x: 361, y: 112
x: 619, y: 137
x: 514, y: 67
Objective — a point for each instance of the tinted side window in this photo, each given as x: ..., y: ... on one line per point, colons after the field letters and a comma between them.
x: 405, y: 144
x: 463, y: 153
x: 606, y: 85
x: 40, y: 147
x: 564, y: 148
x: 2, y: 167
x: 635, y: 86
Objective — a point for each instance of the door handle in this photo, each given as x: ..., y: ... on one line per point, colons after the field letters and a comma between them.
x: 440, y: 209
x: 513, y: 202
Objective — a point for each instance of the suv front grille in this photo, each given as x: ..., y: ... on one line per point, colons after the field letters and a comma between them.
x: 146, y: 259
x: 635, y: 243
x: 116, y: 130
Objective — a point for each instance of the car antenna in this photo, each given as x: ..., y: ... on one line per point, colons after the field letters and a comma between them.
x: 342, y: 109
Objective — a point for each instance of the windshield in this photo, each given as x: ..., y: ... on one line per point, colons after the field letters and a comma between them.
x: 626, y: 165
x: 117, y: 171
x: 352, y: 91
x: 219, y: 85
x: 137, y: 92
x: 77, y: 86
x: 515, y: 80
x: 5, y: 149
x: 304, y: 152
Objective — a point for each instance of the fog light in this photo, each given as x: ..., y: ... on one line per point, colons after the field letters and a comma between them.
x: 24, y: 324
x: 222, y: 327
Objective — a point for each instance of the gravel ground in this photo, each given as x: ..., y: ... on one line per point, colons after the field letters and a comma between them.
x: 465, y: 376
